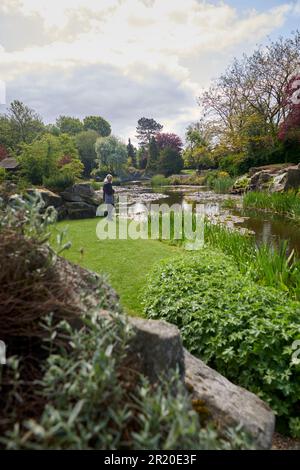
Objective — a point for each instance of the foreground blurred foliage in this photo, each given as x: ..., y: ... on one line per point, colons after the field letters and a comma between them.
x: 66, y: 385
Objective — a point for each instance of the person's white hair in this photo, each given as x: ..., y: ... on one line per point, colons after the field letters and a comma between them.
x: 108, y: 178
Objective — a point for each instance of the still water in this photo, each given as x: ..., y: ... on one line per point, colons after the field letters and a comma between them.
x: 267, y: 227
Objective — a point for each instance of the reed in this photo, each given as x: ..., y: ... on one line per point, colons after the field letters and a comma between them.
x: 283, y: 203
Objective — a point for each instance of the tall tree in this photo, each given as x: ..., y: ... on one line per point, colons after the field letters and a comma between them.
x: 7, y: 137
x: 142, y: 157
x: 131, y: 152
x: 290, y: 127
x: 86, y: 141
x: 289, y: 131
x: 98, y: 124
x: 169, y: 140
x: 111, y: 153
x: 197, y: 153
x: 69, y: 125
x: 25, y: 123
x: 252, y: 90
x: 146, y: 129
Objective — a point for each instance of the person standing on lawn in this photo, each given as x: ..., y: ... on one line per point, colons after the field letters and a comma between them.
x: 108, y: 194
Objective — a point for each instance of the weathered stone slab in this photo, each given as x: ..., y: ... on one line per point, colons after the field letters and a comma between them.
x: 49, y: 198
x: 156, y: 348
x: 83, y: 191
x: 80, y: 210
x: 227, y: 404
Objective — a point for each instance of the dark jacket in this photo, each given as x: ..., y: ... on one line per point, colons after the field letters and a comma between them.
x: 107, y: 191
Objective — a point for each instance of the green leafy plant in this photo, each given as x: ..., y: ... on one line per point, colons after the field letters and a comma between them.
x: 67, y: 383
x: 243, y: 330
x: 59, y: 181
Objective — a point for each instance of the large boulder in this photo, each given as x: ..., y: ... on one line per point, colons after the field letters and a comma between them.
x: 260, y: 181
x: 226, y: 404
x: 49, y: 198
x: 274, y: 179
x: 81, y: 192
x: 287, y: 179
x: 279, y: 183
x: 79, y: 210
x: 77, y: 202
x: 293, y: 178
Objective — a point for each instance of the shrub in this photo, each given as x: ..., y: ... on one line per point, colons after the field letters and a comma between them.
x: 45, y: 157
x: 219, y: 181
x: 96, y: 185
x: 59, y: 182
x: 234, y: 164
x: 241, y: 329
x: 170, y: 161
x: 193, y: 180
x: 92, y: 402
x: 159, y: 180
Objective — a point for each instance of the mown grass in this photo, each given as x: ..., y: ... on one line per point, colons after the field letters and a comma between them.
x: 283, y: 203
x: 126, y: 262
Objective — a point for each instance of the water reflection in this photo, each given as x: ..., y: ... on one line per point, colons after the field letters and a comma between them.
x: 268, y: 228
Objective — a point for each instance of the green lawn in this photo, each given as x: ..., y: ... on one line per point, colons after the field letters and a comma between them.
x: 127, y: 262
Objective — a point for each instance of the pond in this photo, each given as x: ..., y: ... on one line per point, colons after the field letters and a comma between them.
x: 266, y: 227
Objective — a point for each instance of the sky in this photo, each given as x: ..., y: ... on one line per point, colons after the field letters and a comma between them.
x: 125, y: 59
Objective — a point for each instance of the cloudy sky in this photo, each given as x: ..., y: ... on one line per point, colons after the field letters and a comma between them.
x: 124, y: 59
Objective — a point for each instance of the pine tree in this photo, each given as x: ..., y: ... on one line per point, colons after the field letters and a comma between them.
x: 146, y: 129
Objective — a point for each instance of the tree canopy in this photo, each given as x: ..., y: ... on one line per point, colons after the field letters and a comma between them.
x: 86, y: 141
x: 111, y: 153
x: 69, y: 125
x: 98, y: 124
x: 147, y: 128
x: 48, y: 156
x: 169, y: 140
x: 245, y: 107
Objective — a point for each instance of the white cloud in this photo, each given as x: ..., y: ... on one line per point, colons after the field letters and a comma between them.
x: 138, y: 38
x: 296, y: 9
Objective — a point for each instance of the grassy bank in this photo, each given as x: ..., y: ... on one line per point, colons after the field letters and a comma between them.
x: 283, y: 203
x: 267, y: 265
x: 126, y: 262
